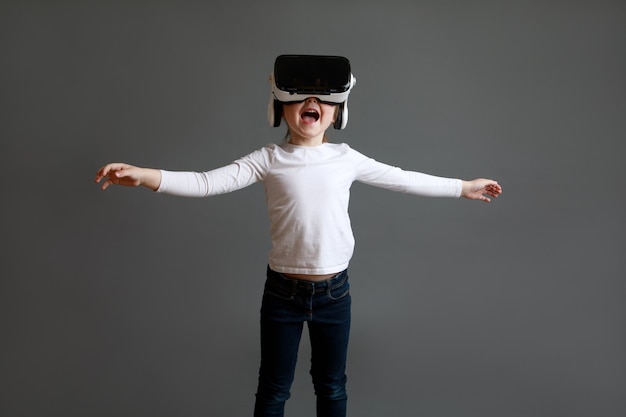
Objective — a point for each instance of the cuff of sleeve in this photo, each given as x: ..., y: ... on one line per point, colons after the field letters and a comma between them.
x: 160, y: 188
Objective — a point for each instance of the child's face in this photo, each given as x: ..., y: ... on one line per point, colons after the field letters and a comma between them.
x: 309, y: 119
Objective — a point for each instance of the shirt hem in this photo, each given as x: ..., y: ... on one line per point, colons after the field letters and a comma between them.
x: 308, y: 270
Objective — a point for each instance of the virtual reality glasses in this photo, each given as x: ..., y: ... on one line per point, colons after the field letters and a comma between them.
x: 298, y: 77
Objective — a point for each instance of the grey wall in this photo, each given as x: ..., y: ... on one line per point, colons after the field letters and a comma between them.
x: 127, y: 303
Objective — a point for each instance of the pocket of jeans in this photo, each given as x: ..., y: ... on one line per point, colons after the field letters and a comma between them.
x: 278, y: 293
x: 339, y: 292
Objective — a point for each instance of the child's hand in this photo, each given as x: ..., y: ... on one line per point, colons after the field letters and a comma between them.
x: 128, y: 175
x: 476, y: 189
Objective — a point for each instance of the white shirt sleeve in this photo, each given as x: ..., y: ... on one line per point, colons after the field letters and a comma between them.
x: 239, y: 174
x: 378, y: 174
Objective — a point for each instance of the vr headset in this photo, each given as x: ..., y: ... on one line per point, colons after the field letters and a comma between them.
x: 298, y: 77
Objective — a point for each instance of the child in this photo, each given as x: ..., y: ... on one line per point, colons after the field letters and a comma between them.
x: 307, y: 182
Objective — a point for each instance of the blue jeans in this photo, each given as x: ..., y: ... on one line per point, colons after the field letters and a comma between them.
x: 287, y: 304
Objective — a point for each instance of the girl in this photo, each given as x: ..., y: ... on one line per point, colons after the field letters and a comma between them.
x: 307, y: 182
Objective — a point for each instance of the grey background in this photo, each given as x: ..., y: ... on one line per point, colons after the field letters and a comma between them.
x: 127, y: 303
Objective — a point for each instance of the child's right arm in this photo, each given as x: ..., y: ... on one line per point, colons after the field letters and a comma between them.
x: 234, y: 176
x: 128, y: 175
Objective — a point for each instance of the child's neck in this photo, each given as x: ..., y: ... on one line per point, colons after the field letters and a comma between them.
x: 304, y: 141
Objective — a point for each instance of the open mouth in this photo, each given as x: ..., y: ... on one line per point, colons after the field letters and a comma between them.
x: 310, y: 116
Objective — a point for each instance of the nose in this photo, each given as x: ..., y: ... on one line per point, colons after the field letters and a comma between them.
x: 309, y: 99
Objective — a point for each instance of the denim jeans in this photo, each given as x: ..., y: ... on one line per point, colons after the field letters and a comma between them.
x: 325, y: 307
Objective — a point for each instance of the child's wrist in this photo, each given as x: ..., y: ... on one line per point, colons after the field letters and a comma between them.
x: 150, y: 178
x: 465, y: 187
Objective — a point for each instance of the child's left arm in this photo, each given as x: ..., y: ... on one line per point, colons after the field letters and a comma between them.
x: 476, y: 189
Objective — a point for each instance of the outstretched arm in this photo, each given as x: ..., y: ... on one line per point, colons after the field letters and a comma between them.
x: 128, y: 175
x: 476, y: 189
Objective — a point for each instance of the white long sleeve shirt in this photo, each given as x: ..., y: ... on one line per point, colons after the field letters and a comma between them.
x: 307, y: 191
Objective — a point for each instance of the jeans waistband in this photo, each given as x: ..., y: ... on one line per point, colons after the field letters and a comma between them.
x: 303, y: 286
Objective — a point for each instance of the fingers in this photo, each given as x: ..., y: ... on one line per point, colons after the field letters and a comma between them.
x: 112, y: 178
x: 492, y: 189
x: 481, y: 189
x: 495, y: 190
x: 481, y: 197
x: 106, y: 184
x: 104, y: 171
x: 112, y: 172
